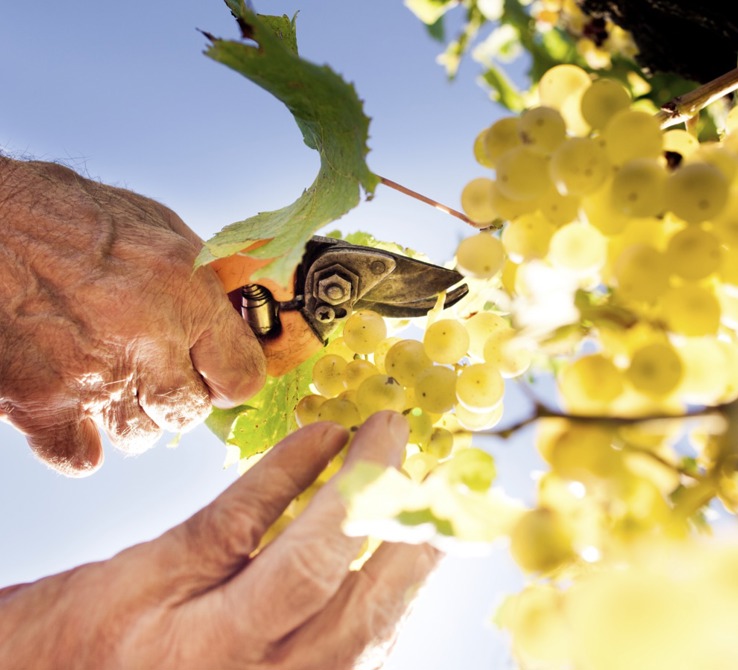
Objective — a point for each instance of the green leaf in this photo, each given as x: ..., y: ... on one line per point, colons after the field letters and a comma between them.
x: 269, y: 416
x: 330, y: 116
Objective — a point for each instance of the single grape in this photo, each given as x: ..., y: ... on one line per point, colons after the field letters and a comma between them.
x: 602, y: 100
x: 638, y: 188
x: 655, y: 369
x: 446, y: 341
x: 697, y: 192
x: 509, y: 209
x: 472, y: 468
x: 693, y: 253
x: 559, y: 209
x: 480, y: 387
x: 477, y: 201
x: 632, y: 134
x: 363, y: 331
x: 435, y: 389
x: 357, y: 371
x: 499, y: 137
x: 641, y: 273
x: 542, y: 129
x: 339, y: 347
x: 480, y: 327
x: 560, y: 83
x: 480, y: 151
x: 306, y: 410
x: 584, y: 453
x: 406, y: 360
x: 508, y: 353
x: 340, y: 410
x: 691, y: 310
x: 541, y: 541
x: 480, y: 256
x: 590, y: 383
x: 378, y: 393
x: 328, y: 375
x: 527, y: 237
x: 579, y: 166
x: 421, y: 427
x: 522, y: 174
x: 578, y: 248
x: 599, y: 211
x: 440, y: 444
x: 707, y: 371
x: 476, y: 421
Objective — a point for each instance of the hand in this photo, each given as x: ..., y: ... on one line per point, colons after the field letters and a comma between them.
x: 194, y: 598
x: 103, y: 321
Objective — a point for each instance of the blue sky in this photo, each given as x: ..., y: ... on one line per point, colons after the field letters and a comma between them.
x: 122, y: 92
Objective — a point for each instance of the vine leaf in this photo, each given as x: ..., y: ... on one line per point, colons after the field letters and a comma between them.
x: 330, y: 116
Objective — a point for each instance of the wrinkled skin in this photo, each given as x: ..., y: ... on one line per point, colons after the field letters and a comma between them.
x: 103, y: 323
x: 196, y: 598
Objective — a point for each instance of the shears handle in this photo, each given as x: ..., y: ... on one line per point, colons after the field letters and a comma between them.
x: 295, y: 341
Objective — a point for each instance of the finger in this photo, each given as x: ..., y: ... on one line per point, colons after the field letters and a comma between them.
x: 361, y: 621
x: 303, y: 568
x: 129, y: 428
x: 209, y: 547
x: 71, y: 446
x: 229, y: 359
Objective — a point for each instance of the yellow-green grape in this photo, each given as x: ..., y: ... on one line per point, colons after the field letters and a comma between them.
x: 509, y: 209
x: 541, y: 541
x: 473, y: 468
x: 590, y: 383
x: 473, y: 421
x: 707, y: 371
x: 728, y: 270
x: 446, y: 341
x: 641, y: 273
x: 339, y: 347
x: 599, y: 211
x: 421, y: 427
x: 638, y: 188
x: 693, y: 253
x: 719, y: 156
x: 697, y: 192
x: 435, y: 389
x: 559, y: 209
x: 505, y: 351
x: 602, y: 100
x: 440, y: 444
x: 477, y: 202
x: 480, y: 327
x: 406, y: 360
x: 480, y: 151
x: 579, y: 166
x: 380, y: 392
x: 527, y: 237
x: 480, y: 387
x: 632, y: 134
x: 363, y: 331
x: 655, y: 369
x: 522, y: 174
x: 357, y: 371
x: 584, y: 453
x: 542, y: 129
x: 680, y: 142
x: 579, y: 248
x: 691, y: 310
x: 725, y: 224
x: 348, y: 394
x: 328, y: 375
x: 306, y: 410
x: 501, y: 136
x: 560, y: 83
x: 380, y: 353
x: 340, y: 410
x: 480, y: 256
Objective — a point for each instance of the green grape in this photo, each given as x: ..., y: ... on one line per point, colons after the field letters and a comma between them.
x: 446, y: 341
x: 718, y: 156
x: 380, y: 353
x: 508, y: 353
x: 541, y: 541
x: 480, y: 256
x: 306, y: 410
x: 707, y: 371
x: 579, y: 166
x: 697, y: 192
x: 440, y: 444
x: 590, y: 383
x: 599, y: 211
x: 680, y: 142
x: 632, y: 134
x: 509, y: 209
x: 480, y: 151
x: 527, y: 237
x: 693, y: 253
x: 560, y: 83
x: 655, y: 369
x: 480, y: 387
x: 435, y: 389
x: 472, y: 468
x: 499, y: 137
x: 691, y: 310
x: 380, y: 392
x: 357, y: 371
x: 363, y: 331
x: 339, y: 347
x: 638, y: 188
x: 579, y: 248
x: 602, y: 100
x: 328, y: 375
x: 641, y: 273
x: 421, y: 427
x: 522, y: 174
x: 559, y: 209
x: 480, y: 327
x: 542, y: 129
x: 475, y: 421
x: 477, y: 202
x: 340, y: 410
x: 584, y: 453
x: 406, y: 360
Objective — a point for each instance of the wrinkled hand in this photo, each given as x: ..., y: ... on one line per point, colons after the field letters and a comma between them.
x: 194, y: 599
x: 103, y: 322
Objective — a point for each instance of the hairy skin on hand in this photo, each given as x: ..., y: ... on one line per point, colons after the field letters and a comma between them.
x: 200, y: 597
x: 104, y: 323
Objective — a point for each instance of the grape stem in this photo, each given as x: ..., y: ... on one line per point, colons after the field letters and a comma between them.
x: 425, y: 199
x: 684, y: 107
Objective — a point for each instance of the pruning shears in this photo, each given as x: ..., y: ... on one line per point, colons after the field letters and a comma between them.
x: 334, y: 279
